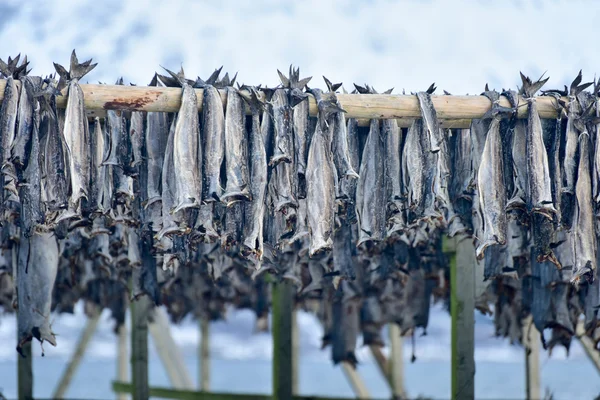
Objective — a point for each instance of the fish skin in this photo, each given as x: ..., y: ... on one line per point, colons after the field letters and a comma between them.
x: 554, y: 163
x: 345, y: 327
x: 282, y: 122
x: 255, y: 209
x: 136, y: 134
x: 301, y: 141
x: 459, y: 191
x: 519, y: 157
x: 413, y: 168
x: 371, y: 320
x: 213, y: 122
x: 571, y: 145
x: 431, y: 123
x: 123, y: 182
x: 583, y: 220
x: 370, y: 192
x: 236, y: 150
x: 348, y: 184
x: 169, y: 225
x: 144, y: 277
x: 341, y: 153
x: 492, y: 191
x: 24, y: 120
x: 320, y: 180
x: 343, y: 247
x: 8, y: 120
x: 37, y: 269
x: 185, y: 153
x: 98, y: 176
x: 393, y: 176
x: 157, y: 134
x: 54, y: 167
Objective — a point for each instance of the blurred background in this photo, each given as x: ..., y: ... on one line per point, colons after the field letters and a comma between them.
x: 406, y: 45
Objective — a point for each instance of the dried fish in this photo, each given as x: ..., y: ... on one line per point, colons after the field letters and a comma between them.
x: 236, y: 150
x: 213, y: 122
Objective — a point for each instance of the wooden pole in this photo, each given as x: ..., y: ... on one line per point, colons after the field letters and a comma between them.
x: 462, y: 310
x: 382, y: 362
x: 281, y: 327
x: 355, y: 381
x: 588, y: 346
x: 369, y: 106
x: 531, y: 342
x: 82, y: 344
x: 204, y: 355
x: 25, y: 373
x: 295, y: 353
x: 140, y: 309
x: 396, y: 363
x: 122, y: 370
x: 168, y: 351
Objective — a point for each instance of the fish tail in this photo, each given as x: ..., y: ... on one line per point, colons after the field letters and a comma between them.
x: 78, y: 70
x: 233, y: 196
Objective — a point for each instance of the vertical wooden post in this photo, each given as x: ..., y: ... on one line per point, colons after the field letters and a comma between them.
x: 204, y: 355
x: 295, y: 353
x: 122, y: 375
x: 531, y: 342
x: 281, y: 328
x: 82, y: 344
x: 462, y: 309
x: 25, y: 373
x: 139, y: 347
x: 396, y: 362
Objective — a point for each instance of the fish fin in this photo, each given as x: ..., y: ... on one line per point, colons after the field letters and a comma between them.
x: 78, y: 70
x: 214, y: 77
x: 284, y: 80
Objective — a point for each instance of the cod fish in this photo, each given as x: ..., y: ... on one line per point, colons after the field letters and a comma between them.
x: 255, y: 209
x: 282, y: 121
x: 187, y: 170
x: 583, y: 220
x: 98, y: 173
x: 459, y: 191
x: 346, y: 325
x: 430, y: 118
x: 169, y: 225
x: 491, y: 189
x: 349, y: 183
x: 8, y: 121
x: 76, y: 133
x: 370, y: 192
x: 213, y: 125
x: 236, y: 150
x: 136, y: 134
x: 37, y: 269
x: 24, y: 120
x: 320, y: 181
x: 157, y: 133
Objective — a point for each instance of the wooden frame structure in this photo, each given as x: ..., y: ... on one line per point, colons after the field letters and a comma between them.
x: 453, y: 112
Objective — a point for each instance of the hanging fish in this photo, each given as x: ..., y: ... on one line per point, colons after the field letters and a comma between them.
x: 236, y: 150
x: 157, y: 133
x: 345, y: 327
x: 255, y: 209
x: 491, y: 187
x: 348, y: 184
x: 320, y: 180
x: 136, y: 134
x: 459, y: 191
x: 187, y: 170
x: 213, y: 125
x: 431, y: 124
x: 98, y: 172
x: 24, y: 120
x: 76, y: 133
x: 583, y: 219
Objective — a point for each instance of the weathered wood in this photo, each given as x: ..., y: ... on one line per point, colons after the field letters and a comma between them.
x: 588, y: 346
x: 462, y: 310
x: 396, y: 362
x: 369, y: 106
x: 204, y: 355
x: 122, y: 362
x: 355, y: 381
x: 382, y: 362
x: 295, y: 354
x: 167, y: 393
x: 82, y: 344
x: 25, y: 373
x: 168, y: 351
x: 531, y: 342
x: 281, y: 328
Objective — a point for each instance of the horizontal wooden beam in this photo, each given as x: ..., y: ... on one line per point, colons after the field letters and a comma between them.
x: 166, y: 393
x: 362, y: 106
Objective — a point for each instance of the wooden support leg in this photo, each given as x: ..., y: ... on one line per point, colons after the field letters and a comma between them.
x: 588, y: 346
x: 139, y: 347
x: 531, y: 342
x: 122, y: 367
x: 82, y: 344
x: 396, y: 363
x: 358, y: 385
x: 462, y: 309
x: 168, y: 352
x: 204, y: 355
x: 281, y: 328
x: 295, y: 354
x: 25, y: 373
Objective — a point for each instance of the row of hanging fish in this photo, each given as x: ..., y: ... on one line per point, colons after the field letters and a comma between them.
x: 350, y: 214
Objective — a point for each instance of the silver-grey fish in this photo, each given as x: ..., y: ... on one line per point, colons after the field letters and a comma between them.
x: 370, y: 192
x: 213, y: 125
x: 236, y: 150
x: 24, y: 120
x: 188, y: 172
x: 492, y: 191
x: 37, y: 268
x: 98, y: 175
x: 282, y: 122
x: 301, y: 140
x: 169, y: 225
x: 255, y: 209
x: 519, y: 157
x: 431, y: 123
x: 583, y: 220
x: 320, y: 184
x: 157, y: 134
x: 348, y: 184
x: 460, y: 193
x: 136, y: 134
x: 341, y: 153
x: 76, y: 132
x: 346, y: 325
x: 8, y: 121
